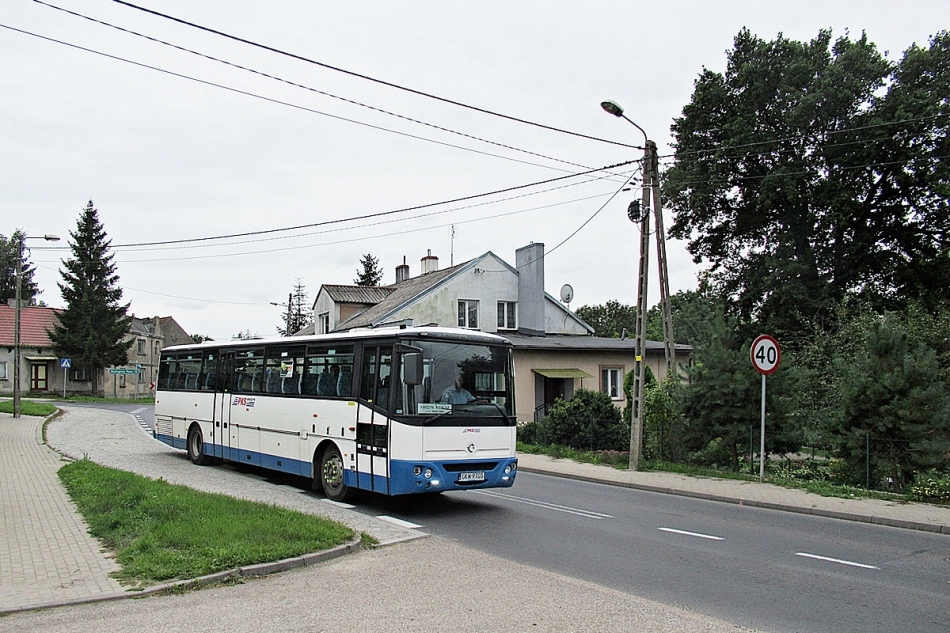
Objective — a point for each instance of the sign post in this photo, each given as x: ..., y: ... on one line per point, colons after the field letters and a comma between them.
x: 65, y: 363
x: 766, y: 355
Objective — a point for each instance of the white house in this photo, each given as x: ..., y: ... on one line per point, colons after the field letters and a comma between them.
x: 555, y: 352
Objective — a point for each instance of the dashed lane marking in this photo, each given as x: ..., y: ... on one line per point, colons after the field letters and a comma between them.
x: 836, y: 560
x: 590, y: 514
x: 399, y: 522
x: 696, y: 534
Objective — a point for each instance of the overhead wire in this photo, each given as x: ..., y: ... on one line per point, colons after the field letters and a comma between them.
x: 275, y: 101
x: 309, y: 88
x: 381, y: 82
x: 127, y: 249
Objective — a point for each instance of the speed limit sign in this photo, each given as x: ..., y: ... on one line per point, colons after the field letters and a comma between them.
x: 766, y: 354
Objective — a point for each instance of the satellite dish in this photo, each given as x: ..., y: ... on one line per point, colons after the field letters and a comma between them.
x: 567, y: 293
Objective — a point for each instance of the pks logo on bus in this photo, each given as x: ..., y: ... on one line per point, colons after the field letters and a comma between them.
x: 472, y: 431
x: 243, y: 401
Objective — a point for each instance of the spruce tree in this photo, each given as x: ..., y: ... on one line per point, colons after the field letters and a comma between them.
x: 370, y: 274
x: 28, y: 288
x: 298, y: 315
x: 92, y: 327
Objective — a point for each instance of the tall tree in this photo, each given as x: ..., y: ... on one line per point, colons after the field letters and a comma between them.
x: 808, y: 172
x: 28, y: 288
x: 610, y: 320
x: 370, y: 274
x: 91, y: 328
x: 299, y: 314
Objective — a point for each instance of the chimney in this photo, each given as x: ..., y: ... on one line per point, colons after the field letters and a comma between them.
x: 430, y: 263
x: 529, y: 261
x: 402, y: 271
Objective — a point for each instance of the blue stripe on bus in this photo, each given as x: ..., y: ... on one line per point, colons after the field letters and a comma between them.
x: 402, y: 482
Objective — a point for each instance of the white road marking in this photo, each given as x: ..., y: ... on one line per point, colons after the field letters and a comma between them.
x: 696, y: 534
x: 338, y: 504
x: 836, y: 560
x: 550, y: 506
x: 400, y: 522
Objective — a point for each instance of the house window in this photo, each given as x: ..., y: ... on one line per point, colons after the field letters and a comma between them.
x: 324, y: 323
x: 79, y: 375
x: 158, y: 349
x: 506, y: 315
x: 468, y: 313
x: 141, y: 347
x: 121, y: 381
x: 3, y: 370
x: 611, y: 382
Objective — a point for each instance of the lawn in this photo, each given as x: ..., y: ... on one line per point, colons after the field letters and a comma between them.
x: 160, y: 531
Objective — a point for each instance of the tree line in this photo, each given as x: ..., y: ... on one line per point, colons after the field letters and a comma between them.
x: 811, y: 180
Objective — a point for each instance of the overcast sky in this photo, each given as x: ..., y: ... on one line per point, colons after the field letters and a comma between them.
x: 166, y: 158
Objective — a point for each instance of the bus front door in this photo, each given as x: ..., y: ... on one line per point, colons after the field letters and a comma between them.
x: 372, y: 426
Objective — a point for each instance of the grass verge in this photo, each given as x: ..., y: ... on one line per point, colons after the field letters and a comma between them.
x: 160, y: 532
x: 620, y: 461
x: 28, y: 407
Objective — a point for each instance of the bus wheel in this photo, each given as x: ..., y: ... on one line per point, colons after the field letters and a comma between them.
x: 196, y: 444
x: 331, y: 475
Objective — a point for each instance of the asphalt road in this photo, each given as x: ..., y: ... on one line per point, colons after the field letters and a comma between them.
x: 758, y: 568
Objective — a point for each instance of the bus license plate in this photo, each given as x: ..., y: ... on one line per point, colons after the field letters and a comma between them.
x: 468, y: 477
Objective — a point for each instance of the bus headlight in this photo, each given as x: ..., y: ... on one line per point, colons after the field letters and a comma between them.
x: 510, y: 468
x: 428, y: 473
x: 417, y: 470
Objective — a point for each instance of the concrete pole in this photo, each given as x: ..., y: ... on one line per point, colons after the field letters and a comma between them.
x: 640, y: 366
x: 16, y: 327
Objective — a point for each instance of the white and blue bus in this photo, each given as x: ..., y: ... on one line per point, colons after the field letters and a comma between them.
x: 393, y: 411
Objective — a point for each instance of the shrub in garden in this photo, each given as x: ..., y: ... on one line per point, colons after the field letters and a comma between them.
x: 588, y: 421
x: 932, y: 486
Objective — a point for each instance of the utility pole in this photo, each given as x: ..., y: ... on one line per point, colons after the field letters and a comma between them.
x: 651, y: 189
x: 16, y: 328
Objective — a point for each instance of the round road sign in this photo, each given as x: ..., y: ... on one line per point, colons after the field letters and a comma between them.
x: 766, y: 354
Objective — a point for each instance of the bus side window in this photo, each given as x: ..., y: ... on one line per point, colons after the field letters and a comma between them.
x: 248, y: 371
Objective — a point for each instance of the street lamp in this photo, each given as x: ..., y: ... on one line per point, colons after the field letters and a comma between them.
x: 651, y: 185
x: 16, y: 319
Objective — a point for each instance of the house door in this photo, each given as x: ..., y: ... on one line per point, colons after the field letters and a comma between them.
x: 554, y: 389
x: 38, y: 381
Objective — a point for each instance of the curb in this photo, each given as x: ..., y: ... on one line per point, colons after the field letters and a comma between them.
x: 767, y: 505
x: 247, y: 571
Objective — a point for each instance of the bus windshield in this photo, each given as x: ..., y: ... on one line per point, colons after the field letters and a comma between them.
x: 459, y: 380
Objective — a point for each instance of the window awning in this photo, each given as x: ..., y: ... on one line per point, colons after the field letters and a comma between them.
x: 562, y: 373
x: 37, y: 359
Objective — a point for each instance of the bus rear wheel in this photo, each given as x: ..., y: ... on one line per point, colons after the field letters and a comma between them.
x: 196, y: 445
x: 331, y: 471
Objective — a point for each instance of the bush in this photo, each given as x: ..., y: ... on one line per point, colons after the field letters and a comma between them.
x: 931, y: 486
x: 588, y: 421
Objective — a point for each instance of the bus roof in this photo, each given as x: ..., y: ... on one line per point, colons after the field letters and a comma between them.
x: 411, y: 332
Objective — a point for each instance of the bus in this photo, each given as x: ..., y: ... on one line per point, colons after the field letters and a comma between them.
x: 394, y: 411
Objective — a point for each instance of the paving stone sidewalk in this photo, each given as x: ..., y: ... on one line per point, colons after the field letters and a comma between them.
x: 46, y: 554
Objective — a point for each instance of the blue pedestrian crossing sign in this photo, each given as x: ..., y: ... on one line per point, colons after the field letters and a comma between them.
x: 65, y: 363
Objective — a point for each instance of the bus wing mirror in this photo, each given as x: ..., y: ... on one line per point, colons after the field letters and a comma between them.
x: 412, y: 368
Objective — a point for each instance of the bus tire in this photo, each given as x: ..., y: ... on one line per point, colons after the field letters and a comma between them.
x: 196, y: 445
x: 331, y: 475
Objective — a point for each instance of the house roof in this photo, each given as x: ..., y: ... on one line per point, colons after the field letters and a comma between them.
x: 553, y: 342
x: 402, y: 294
x: 34, y: 322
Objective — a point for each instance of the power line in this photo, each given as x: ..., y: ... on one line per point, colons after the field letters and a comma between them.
x: 803, y: 137
x: 276, y: 101
x: 366, y: 77
x: 309, y: 88
x: 368, y: 225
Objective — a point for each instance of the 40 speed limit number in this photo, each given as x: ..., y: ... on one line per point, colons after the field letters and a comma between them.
x: 766, y: 354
